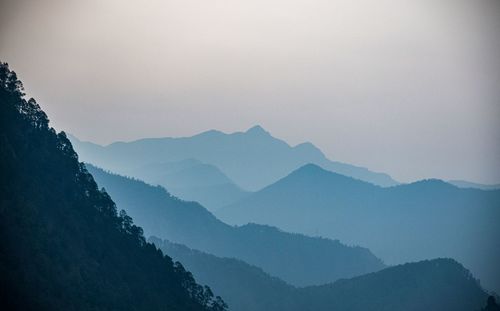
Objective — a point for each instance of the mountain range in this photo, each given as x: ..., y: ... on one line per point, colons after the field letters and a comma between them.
x: 440, y: 284
x: 473, y: 185
x: 252, y: 159
x: 426, y: 219
x: 295, y: 258
x: 192, y: 180
x: 65, y: 246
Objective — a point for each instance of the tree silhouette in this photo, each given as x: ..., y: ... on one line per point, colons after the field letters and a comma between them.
x: 491, y: 304
x: 63, y: 246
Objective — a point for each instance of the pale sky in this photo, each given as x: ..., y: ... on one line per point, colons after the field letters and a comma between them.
x: 406, y: 87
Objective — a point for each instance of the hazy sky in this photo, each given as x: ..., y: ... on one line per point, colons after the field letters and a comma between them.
x: 407, y: 87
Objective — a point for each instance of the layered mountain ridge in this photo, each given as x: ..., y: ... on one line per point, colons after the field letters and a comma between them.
x: 297, y: 259
x: 252, y: 159
x: 439, y: 284
x: 404, y: 223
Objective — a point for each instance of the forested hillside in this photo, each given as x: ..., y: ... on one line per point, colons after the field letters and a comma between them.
x: 62, y: 244
x: 243, y: 286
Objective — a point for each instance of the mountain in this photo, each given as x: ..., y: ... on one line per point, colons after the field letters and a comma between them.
x: 426, y: 219
x: 295, y: 258
x: 468, y: 184
x: 62, y: 244
x: 252, y: 159
x: 243, y: 286
x: 191, y: 180
x: 440, y: 284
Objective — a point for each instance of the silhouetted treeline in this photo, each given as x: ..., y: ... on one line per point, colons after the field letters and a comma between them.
x: 491, y: 304
x: 62, y: 244
x: 243, y: 286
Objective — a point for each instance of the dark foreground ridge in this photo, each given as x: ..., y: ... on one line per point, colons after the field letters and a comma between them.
x: 63, y: 246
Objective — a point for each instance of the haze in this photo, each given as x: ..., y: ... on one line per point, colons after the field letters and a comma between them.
x: 406, y: 87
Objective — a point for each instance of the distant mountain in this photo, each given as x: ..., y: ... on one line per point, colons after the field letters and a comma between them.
x: 185, y: 173
x: 62, y: 244
x: 295, y: 258
x: 252, y: 159
x: 426, y: 219
x: 468, y: 184
x: 440, y: 284
x: 191, y: 180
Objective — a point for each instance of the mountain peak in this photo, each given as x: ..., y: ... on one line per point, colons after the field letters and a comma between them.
x: 209, y: 133
x: 314, y: 173
x: 432, y: 182
x: 309, y: 171
x: 257, y: 129
x: 311, y: 168
x: 307, y: 149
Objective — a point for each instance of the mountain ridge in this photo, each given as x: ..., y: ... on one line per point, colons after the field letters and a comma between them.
x: 447, y: 284
x: 284, y: 255
x: 469, y: 184
x: 191, y: 180
x: 408, y: 222
x: 63, y: 245
x: 252, y: 159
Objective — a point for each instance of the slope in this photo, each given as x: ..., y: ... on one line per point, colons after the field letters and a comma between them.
x: 468, y: 184
x: 62, y: 244
x: 440, y: 284
x: 244, y: 287
x: 426, y: 219
x: 191, y: 180
x: 295, y: 258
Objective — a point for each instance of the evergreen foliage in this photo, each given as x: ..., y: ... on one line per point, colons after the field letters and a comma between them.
x: 63, y: 246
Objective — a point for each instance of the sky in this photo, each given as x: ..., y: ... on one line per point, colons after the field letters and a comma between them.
x: 406, y: 87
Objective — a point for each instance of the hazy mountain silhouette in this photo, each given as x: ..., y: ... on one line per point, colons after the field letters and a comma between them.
x: 62, y: 244
x: 243, y: 286
x: 468, y: 184
x: 440, y: 284
x: 295, y: 258
x: 252, y: 159
x: 188, y: 179
x: 426, y: 219
x: 191, y: 180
